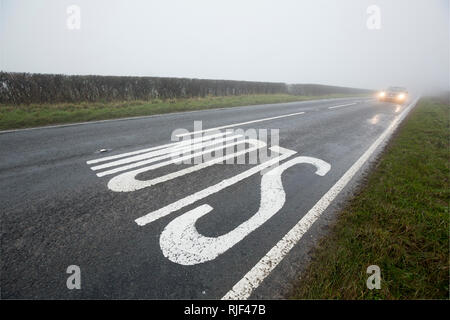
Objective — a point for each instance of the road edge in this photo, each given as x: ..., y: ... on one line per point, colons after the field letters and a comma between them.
x: 244, y: 288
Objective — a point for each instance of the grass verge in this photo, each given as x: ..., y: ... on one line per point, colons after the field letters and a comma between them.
x: 34, y: 115
x: 398, y: 220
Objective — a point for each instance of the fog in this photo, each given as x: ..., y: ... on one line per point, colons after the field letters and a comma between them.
x: 345, y: 43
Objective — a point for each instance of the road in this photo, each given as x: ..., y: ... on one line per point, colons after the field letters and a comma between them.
x: 204, y: 233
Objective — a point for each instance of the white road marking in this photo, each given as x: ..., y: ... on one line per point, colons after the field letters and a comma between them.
x: 173, y: 144
x: 165, y: 153
x: 239, y: 124
x: 244, y: 287
x: 181, y: 243
x: 172, y: 161
x: 155, y: 215
x: 343, y: 105
x: 127, y: 181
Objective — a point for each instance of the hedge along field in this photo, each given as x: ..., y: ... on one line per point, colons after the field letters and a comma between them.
x: 34, y: 115
x: 30, y: 100
x: 26, y: 88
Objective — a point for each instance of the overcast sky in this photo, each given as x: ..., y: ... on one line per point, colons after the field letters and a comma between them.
x: 292, y: 41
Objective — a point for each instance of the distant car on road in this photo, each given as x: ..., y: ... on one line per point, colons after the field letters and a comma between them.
x: 393, y: 94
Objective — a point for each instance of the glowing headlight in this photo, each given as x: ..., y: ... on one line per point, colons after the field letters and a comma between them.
x: 382, y: 94
x: 401, y: 96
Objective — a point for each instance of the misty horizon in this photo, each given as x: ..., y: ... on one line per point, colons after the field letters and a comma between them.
x: 288, y: 41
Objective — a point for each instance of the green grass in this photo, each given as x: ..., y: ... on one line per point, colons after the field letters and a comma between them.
x: 33, y: 115
x: 399, y: 220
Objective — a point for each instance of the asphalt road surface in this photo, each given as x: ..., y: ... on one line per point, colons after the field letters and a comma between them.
x: 139, y: 225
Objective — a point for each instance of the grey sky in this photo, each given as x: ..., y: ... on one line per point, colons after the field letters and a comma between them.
x: 293, y: 41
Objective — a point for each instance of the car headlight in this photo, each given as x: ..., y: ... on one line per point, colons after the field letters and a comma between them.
x: 401, y: 96
x: 382, y: 94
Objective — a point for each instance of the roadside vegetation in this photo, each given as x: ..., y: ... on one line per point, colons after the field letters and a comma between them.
x: 33, y: 115
x: 399, y: 220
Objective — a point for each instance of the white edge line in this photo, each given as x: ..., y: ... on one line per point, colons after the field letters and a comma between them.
x: 244, y: 287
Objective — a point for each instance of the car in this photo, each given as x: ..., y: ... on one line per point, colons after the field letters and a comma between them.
x: 393, y: 94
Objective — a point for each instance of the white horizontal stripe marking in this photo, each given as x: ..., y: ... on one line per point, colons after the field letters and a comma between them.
x: 164, y: 153
x: 127, y: 182
x: 173, y: 144
x: 168, y: 162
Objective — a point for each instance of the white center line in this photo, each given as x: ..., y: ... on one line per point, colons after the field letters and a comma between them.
x: 342, y: 105
x: 244, y: 287
x: 239, y: 124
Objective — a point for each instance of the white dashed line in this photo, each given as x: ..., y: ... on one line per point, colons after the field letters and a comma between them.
x: 239, y: 124
x: 342, y: 105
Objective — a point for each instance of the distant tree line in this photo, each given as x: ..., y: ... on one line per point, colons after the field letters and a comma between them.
x: 319, y: 89
x: 25, y: 88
